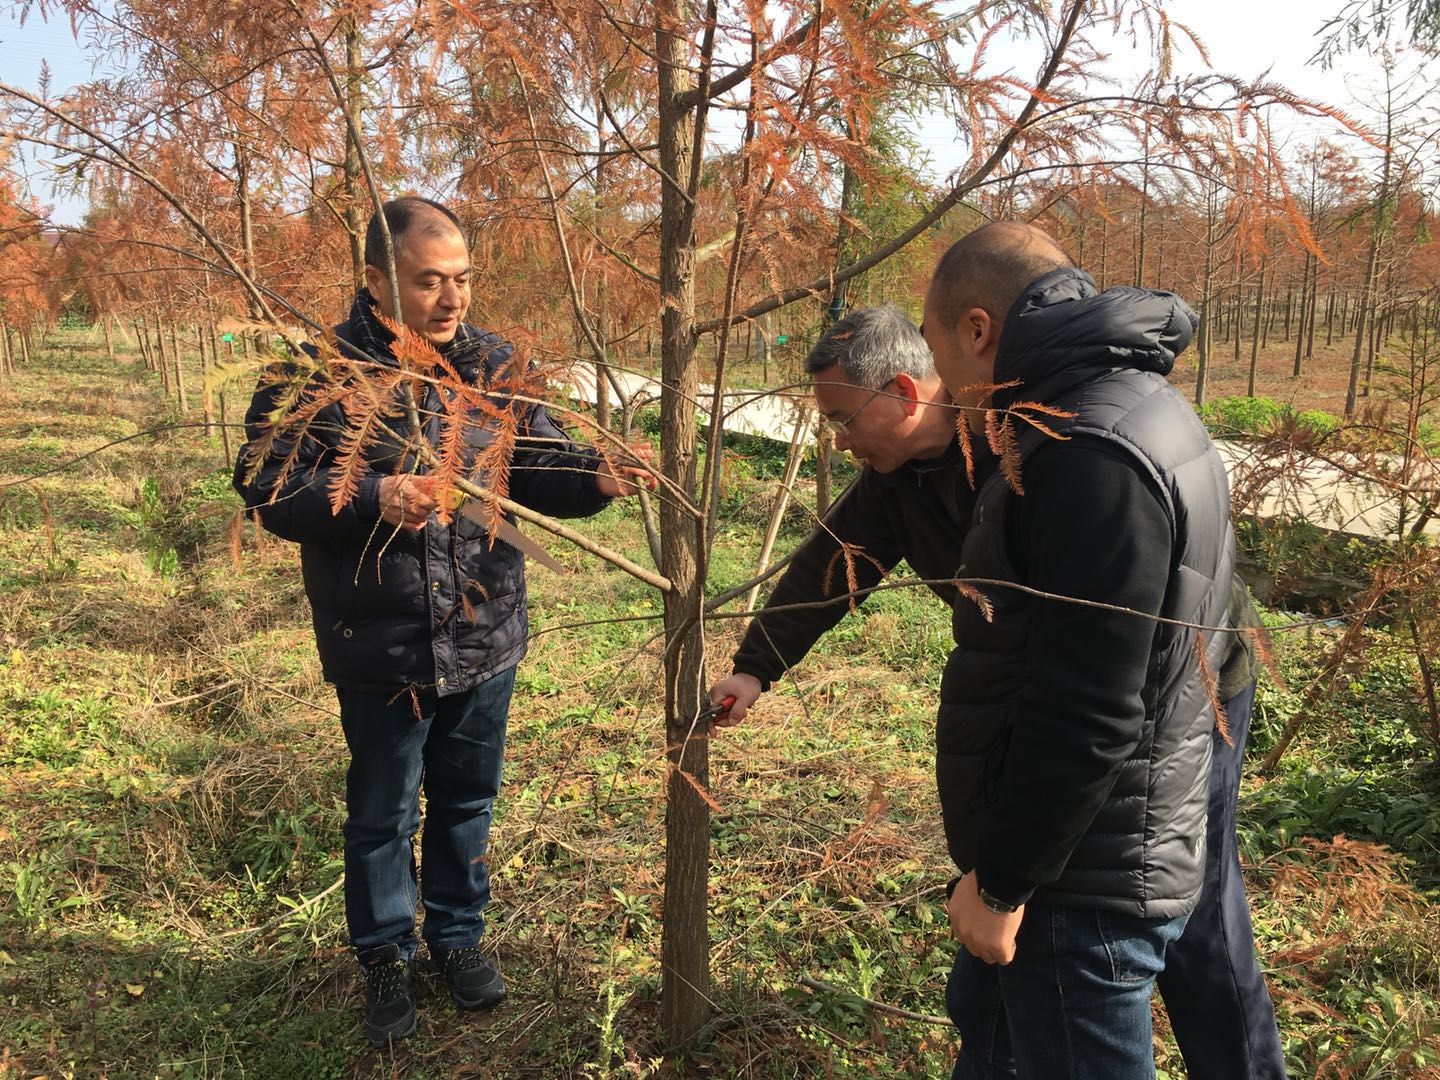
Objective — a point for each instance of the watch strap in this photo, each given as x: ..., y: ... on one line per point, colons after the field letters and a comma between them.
x: 995, y: 904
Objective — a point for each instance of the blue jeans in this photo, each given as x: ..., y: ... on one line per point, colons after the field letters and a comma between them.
x: 452, y: 746
x: 1212, y: 986
x: 1074, y: 1004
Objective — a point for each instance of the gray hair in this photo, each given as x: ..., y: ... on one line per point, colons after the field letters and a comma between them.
x: 872, y: 346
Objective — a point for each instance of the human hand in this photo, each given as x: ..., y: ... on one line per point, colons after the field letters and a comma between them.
x: 634, y: 473
x: 407, y: 501
x: 987, y: 935
x: 740, y: 686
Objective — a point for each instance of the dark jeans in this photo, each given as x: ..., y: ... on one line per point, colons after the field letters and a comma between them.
x: 1212, y: 986
x: 454, y: 747
x: 1074, y: 1004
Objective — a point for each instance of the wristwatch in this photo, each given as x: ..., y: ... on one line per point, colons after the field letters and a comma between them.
x: 995, y: 904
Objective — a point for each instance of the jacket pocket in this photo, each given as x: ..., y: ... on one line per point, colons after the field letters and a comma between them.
x: 381, y: 580
x: 970, y: 748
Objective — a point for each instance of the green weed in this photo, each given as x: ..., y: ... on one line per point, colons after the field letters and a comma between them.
x: 56, y: 727
x: 170, y: 823
x: 1241, y: 415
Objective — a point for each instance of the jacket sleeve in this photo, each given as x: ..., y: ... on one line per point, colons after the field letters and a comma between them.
x: 777, y: 640
x: 300, y: 509
x: 551, y: 473
x: 1089, y: 526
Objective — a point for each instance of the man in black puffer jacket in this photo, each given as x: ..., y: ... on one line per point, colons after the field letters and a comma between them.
x: 419, y: 625
x: 1074, y: 739
x: 873, y: 379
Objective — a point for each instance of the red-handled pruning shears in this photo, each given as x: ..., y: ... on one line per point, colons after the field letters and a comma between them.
x: 716, y: 710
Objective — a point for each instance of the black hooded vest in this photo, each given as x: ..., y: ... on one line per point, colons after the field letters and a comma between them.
x: 1102, y: 358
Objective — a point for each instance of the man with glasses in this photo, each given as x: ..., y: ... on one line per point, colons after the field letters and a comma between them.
x: 873, y: 378
x: 874, y: 382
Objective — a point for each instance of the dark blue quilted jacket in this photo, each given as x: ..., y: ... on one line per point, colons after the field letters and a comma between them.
x: 442, y: 608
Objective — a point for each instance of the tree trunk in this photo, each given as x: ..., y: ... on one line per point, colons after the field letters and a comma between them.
x: 351, y: 170
x: 1362, y: 305
x: 179, y: 373
x: 1376, y: 321
x: 836, y: 308
x: 224, y: 423
x: 1207, y: 301
x: 824, y: 439
x: 1160, y: 260
x: 7, y: 362
x: 1372, y: 291
x: 1237, y: 323
x: 1256, y: 331
x: 1300, y: 329
x: 207, y: 405
x: 109, y: 341
x: 1314, y: 308
x: 764, y: 338
x: 1382, y: 326
x: 1104, y: 252
x: 247, y: 229
x: 685, y: 944
x: 1144, y: 206
x: 793, y: 458
x: 602, y: 287
x: 162, y: 357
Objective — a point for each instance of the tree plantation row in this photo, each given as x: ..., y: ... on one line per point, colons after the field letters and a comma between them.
x: 696, y: 192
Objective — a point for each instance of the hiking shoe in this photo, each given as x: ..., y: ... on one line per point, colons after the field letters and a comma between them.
x: 389, y: 994
x: 473, y: 983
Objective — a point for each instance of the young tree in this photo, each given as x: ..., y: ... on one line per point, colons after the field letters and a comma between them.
x: 1402, y: 132
x: 709, y: 229
x: 26, y: 271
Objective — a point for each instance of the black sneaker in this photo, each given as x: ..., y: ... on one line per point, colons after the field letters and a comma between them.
x: 389, y: 994
x: 473, y: 983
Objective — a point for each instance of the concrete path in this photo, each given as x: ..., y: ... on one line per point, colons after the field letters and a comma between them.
x: 1324, y: 495
x: 765, y: 413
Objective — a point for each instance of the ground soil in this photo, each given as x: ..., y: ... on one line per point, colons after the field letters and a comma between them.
x: 1321, y: 385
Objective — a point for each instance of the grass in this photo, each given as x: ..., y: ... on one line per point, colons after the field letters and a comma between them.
x: 170, y: 807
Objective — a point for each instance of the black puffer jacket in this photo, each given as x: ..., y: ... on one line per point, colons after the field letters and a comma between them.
x: 1073, y: 742
x: 441, y: 608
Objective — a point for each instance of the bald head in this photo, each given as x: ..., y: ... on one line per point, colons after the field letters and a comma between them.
x: 989, y: 268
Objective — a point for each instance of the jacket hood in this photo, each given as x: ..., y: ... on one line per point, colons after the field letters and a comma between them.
x: 1061, y: 324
